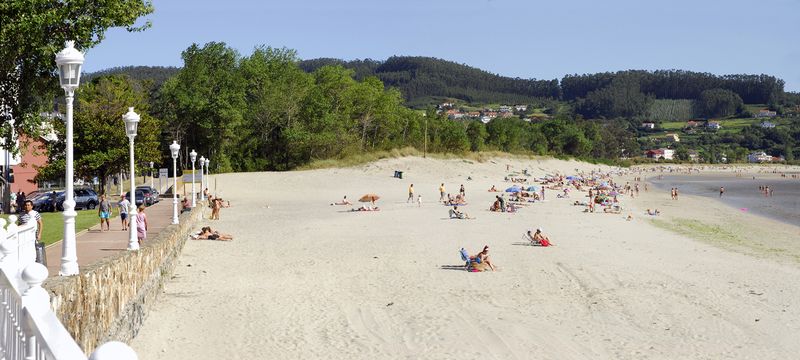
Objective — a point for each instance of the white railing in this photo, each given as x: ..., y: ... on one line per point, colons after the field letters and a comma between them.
x: 29, y: 330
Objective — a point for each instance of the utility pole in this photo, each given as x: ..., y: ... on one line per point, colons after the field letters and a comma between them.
x: 425, y: 147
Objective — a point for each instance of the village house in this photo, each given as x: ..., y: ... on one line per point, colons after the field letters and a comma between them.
x: 505, y: 109
x: 474, y: 114
x: 660, y: 154
x: 759, y: 157
x: 672, y: 137
x: 485, y: 119
x: 694, y: 156
x: 713, y: 125
x: 490, y: 114
x: 766, y: 113
x: 693, y: 124
x: 767, y: 125
x: 648, y: 125
x: 521, y: 107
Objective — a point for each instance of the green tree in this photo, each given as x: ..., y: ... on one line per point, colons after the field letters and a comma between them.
x: 719, y: 103
x: 31, y: 32
x: 476, y: 133
x: 202, y: 105
x: 100, y: 141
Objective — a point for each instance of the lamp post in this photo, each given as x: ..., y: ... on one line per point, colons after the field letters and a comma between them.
x: 152, y: 176
x: 174, y: 148
x: 202, y: 177
x: 131, y: 122
x: 208, y: 162
x: 69, y: 61
x: 193, y: 157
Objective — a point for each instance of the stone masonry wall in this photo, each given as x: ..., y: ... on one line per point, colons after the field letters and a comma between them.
x: 110, y: 299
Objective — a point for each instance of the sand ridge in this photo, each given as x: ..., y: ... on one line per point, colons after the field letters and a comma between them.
x: 304, y: 279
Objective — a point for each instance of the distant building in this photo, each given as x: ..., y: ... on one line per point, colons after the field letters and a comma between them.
x: 693, y: 124
x: 521, y: 107
x: 759, y: 157
x: 766, y: 113
x: 504, y: 108
x: 660, y: 154
x: 671, y: 137
x: 694, y: 156
x: 713, y: 125
x: 767, y: 125
x: 474, y: 114
x: 491, y: 114
x: 648, y: 125
x: 485, y: 119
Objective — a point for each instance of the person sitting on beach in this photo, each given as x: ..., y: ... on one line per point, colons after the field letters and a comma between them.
x: 343, y: 202
x: 185, y: 205
x: 512, y: 208
x: 493, y: 189
x: 454, y: 213
x: 206, y: 233
x: 654, y: 212
x: 483, y: 258
x: 539, y: 238
x: 496, y: 206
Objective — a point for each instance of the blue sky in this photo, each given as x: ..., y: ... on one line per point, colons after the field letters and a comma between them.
x: 526, y: 39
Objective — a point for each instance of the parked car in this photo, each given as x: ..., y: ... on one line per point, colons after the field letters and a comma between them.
x: 47, y: 202
x: 85, y: 198
x: 139, y: 197
x: 150, y: 194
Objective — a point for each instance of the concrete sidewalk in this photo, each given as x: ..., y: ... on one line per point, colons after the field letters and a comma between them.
x: 94, y: 244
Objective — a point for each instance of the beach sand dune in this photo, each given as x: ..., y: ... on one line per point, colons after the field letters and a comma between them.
x: 304, y: 279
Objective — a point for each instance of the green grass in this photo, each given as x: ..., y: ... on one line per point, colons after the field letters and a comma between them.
x: 53, y: 224
x: 728, y: 237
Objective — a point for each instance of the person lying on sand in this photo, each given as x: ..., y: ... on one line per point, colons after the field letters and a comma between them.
x: 206, y: 233
x: 366, y: 208
x: 653, y: 212
x: 343, y: 202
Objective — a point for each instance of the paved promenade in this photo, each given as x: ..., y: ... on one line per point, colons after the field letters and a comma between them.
x: 94, y: 244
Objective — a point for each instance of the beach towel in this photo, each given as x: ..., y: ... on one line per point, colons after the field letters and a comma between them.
x: 544, y: 242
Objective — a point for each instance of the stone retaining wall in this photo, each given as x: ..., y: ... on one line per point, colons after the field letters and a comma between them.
x: 110, y: 299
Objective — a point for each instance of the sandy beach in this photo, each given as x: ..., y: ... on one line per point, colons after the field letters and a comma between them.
x: 304, y: 279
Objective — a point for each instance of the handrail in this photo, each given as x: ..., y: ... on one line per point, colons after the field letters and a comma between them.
x: 29, y: 330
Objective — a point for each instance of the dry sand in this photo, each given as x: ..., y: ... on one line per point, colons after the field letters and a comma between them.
x: 307, y: 280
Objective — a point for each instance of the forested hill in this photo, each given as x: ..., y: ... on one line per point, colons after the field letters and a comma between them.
x: 422, y: 78
x: 156, y: 74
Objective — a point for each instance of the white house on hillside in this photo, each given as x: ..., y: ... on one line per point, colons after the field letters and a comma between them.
x: 759, y: 157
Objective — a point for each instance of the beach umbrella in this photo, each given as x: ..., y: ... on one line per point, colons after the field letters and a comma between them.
x: 533, y: 188
x: 513, y: 189
x: 369, y: 198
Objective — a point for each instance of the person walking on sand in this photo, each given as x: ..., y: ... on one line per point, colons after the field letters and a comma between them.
x: 419, y: 200
x: 141, y: 224
x: 410, y: 194
x: 721, y: 190
x: 124, y: 204
x: 441, y: 193
x: 463, y: 193
x: 104, y: 211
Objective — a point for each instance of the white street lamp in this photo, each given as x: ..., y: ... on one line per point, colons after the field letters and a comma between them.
x: 69, y: 61
x: 202, y: 177
x: 193, y: 157
x: 208, y: 162
x: 174, y: 148
x: 131, y: 123
x: 152, y: 176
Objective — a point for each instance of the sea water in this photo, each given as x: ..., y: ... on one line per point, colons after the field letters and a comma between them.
x: 742, y: 193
